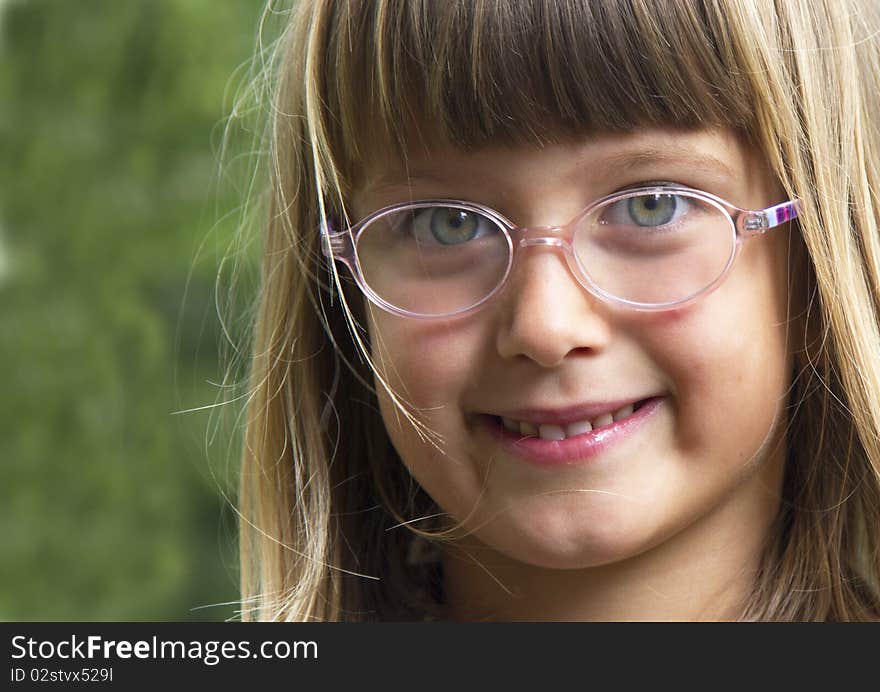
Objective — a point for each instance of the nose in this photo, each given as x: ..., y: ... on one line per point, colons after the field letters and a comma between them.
x: 547, y: 314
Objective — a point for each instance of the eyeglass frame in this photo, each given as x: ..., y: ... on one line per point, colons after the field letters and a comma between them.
x: 341, y: 245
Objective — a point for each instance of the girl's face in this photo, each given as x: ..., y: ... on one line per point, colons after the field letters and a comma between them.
x: 704, y: 459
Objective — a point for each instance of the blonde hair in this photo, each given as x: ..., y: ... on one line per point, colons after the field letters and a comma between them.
x: 321, y: 484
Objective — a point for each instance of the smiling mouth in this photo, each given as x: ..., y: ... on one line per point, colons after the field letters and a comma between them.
x: 549, y: 431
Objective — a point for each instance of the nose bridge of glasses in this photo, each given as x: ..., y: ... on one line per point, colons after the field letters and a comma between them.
x: 557, y: 238
x: 543, y: 235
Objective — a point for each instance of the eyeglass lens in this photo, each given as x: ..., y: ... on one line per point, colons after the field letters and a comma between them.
x: 652, y: 248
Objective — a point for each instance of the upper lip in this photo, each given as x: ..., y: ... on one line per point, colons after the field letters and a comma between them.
x: 568, y: 414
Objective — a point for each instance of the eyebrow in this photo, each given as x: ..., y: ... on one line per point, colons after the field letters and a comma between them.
x: 393, y: 182
x: 630, y: 160
x: 620, y: 162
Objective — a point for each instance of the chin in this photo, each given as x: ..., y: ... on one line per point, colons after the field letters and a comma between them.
x: 566, y: 541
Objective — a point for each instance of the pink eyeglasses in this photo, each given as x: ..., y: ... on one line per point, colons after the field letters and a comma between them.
x: 650, y: 248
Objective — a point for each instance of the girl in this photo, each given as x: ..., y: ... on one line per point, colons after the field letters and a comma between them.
x: 570, y: 311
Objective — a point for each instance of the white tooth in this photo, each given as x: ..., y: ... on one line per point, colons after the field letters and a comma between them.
x: 605, y: 419
x: 578, y: 428
x: 510, y: 424
x: 528, y: 429
x: 624, y: 412
x: 551, y: 432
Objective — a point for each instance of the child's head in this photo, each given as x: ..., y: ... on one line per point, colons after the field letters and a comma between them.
x: 731, y: 375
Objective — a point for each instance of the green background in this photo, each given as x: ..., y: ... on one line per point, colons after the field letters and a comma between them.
x: 114, y: 216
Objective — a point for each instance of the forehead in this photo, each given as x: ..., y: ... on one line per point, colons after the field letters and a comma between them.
x: 717, y: 156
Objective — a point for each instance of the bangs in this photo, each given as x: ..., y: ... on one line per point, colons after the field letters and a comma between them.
x: 398, y: 74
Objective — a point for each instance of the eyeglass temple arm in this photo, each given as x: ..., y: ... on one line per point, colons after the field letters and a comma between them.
x: 757, y: 222
x: 335, y: 244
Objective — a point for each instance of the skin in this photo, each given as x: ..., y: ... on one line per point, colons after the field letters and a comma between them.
x: 668, y: 524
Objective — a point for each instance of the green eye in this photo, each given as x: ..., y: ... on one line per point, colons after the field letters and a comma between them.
x: 652, y: 210
x: 451, y: 226
x: 445, y: 227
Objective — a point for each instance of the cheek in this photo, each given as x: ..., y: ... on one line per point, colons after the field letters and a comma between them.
x: 431, y: 367
x: 727, y: 355
x: 430, y: 364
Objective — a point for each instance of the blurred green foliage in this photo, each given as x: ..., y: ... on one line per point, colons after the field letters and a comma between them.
x: 111, y: 224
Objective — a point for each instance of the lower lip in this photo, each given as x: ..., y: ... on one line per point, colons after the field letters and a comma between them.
x: 572, y: 450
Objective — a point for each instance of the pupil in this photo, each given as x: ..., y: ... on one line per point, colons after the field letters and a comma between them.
x: 453, y: 226
x: 457, y: 219
x: 654, y: 210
